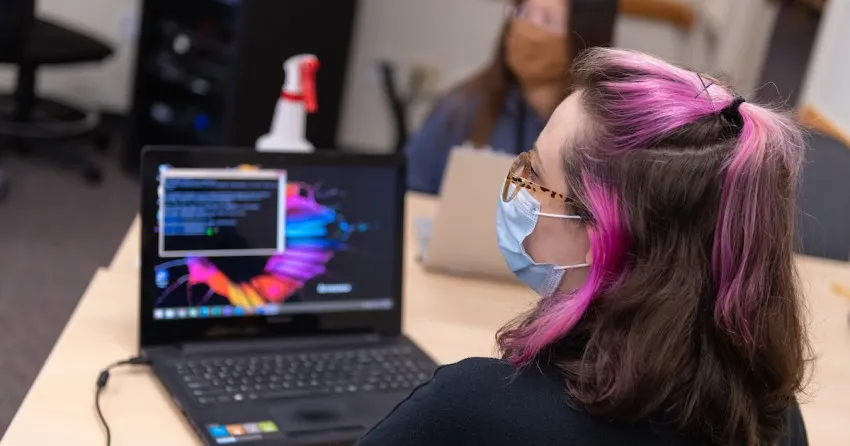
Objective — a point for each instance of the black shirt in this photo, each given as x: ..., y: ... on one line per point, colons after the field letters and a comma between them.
x: 489, y: 402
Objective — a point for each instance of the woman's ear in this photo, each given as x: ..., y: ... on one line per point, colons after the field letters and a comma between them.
x: 588, y: 257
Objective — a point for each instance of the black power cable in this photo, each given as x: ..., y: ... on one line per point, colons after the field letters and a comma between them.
x: 102, y: 379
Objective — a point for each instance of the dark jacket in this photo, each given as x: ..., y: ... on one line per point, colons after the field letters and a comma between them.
x: 488, y: 402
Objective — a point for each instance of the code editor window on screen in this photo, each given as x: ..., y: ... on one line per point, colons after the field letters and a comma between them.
x: 221, y: 212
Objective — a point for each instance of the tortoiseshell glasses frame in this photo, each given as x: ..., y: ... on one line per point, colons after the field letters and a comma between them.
x: 519, y: 175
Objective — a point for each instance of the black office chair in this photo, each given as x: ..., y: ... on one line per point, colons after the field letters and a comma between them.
x: 823, y: 223
x: 27, y: 121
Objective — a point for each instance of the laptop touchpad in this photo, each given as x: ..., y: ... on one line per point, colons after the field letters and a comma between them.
x: 315, y: 416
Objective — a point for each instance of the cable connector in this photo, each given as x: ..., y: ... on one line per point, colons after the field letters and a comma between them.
x: 138, y: 360
x: 103, y: 377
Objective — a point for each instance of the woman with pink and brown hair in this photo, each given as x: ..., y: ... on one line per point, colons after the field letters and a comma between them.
x: 654, y: 217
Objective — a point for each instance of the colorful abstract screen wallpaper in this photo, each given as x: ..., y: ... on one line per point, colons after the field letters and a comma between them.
x: 255, y: 240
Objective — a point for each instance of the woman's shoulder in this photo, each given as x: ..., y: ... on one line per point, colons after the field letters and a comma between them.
x: 501, y: 382
x: 490, y: 371
x: 475, y: 401
x: 489, y: 365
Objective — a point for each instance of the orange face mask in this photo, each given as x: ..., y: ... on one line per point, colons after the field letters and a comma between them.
x: 536, y: 56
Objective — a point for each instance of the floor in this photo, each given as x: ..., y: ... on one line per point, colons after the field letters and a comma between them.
x: 55, y: 230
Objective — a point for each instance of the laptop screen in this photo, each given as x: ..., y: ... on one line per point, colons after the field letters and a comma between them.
x: 273, y: 240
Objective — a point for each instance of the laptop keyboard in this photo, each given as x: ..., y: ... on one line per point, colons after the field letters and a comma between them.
x: 267, y: 377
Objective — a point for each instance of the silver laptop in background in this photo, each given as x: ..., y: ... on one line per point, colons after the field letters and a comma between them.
x: 461, y: 239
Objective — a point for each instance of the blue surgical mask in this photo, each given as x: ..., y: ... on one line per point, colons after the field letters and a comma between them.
x: 515, y: 220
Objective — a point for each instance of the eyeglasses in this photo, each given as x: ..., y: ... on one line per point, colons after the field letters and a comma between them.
x: 520, y: 176
x: 543, y: 17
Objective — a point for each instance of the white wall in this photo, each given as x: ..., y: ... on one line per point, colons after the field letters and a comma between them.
x: 733, y: 37
x: 668, y: 42
x: 106, y: 85
x: 826, y: 87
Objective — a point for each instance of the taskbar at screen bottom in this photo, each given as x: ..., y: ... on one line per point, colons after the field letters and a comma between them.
x: 206, y: 312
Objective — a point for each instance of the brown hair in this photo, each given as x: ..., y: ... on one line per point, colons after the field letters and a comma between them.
x: 488, y: 88
x: 690, y: 313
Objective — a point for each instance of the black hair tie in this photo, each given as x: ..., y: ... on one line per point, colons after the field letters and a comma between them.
x: 732, y: 114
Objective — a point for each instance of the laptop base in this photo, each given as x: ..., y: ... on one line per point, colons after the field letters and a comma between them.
x: 338, y: 411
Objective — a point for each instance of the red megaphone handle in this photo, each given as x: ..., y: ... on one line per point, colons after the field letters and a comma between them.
x: 308, y: 84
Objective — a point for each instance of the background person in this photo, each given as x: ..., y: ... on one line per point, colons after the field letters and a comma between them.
x: 506, y: 105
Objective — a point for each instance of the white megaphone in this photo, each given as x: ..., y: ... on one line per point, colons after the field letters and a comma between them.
x: 297, y: 98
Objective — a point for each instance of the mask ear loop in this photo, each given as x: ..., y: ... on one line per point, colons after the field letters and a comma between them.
x: 580, y: 265
x: 570, y: 217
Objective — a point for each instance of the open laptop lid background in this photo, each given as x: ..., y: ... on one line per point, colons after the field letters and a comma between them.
x: 461, y: 240
x: 192, y: 297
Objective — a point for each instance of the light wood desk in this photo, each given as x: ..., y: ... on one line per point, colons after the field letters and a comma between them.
x: 451, y: 318
x: 127, y: 258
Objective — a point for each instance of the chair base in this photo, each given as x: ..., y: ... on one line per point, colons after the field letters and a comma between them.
x: 51, y: 129
x: 47, y: 119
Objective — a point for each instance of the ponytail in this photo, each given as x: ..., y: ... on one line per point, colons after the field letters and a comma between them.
x: 758, y: 183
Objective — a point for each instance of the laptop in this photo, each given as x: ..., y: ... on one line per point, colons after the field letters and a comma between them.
x: 271, y: 292
x: 461, y: 239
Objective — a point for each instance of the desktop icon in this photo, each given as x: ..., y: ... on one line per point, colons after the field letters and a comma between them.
x: 227, y: 311
x: 267, y: 426
x: 218, y: 431
x: 216, y: 311
x: 158, y: 313
x: 235, y: 429
x: 271, y: 310
x: 169, y: 313
x: 205, y: 311
x: 252, y: 428
x: 193, y: 312
x: 238, y: 311
x: 182, y: 313
x: 161, y: 278
x: 260, y: 311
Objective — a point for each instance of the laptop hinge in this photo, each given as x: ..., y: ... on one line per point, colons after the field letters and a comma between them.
x: 277, y: 345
